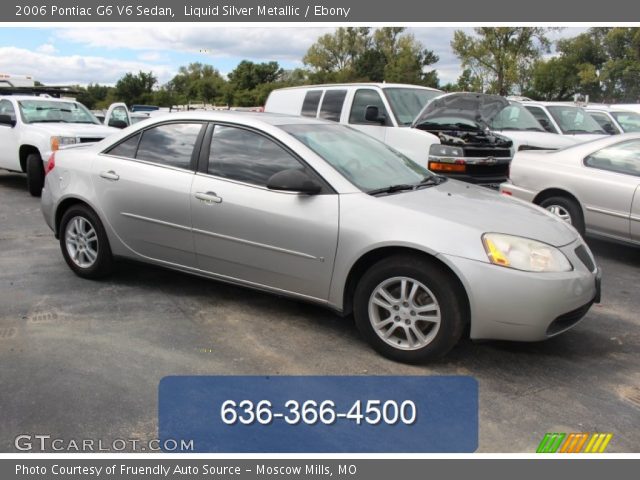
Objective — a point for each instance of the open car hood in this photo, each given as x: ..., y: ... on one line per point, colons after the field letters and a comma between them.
x: 477, y: 107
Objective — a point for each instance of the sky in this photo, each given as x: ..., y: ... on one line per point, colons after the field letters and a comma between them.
x: 89, y: 54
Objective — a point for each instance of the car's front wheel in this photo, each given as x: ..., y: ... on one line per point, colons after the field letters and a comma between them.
x: 84, y: 243
x: 410, y: 309
x: 566, y: 209
x: 35, y: 174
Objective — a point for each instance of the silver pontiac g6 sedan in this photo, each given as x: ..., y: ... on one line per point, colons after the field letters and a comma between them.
x: 321, y: 212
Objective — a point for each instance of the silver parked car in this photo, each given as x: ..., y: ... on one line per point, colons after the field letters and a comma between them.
x: 321, y: 212
x: 594, y: 186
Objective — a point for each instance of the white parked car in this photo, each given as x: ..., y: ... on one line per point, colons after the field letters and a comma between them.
x: 566, y: 119
x: 32, y: 127
x: 594, y: 186
x: 615, y: 120
x: 383, y: 110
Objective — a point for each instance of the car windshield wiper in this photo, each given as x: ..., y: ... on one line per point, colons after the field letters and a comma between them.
x: 431, y: 180
x: 425, y: 182
x: 392, y: 188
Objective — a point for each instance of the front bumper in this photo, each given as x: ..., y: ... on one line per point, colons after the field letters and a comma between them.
x: 509, y: 304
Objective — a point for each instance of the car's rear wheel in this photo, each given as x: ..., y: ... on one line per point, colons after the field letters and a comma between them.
x: 84, y: 243
x: 409, y: 309
x: 35, y: 174
x: 566, y: 209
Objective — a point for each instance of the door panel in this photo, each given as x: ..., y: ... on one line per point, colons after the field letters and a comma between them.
x: 281, y: 240
x: 146, y: 196
x: 9, y: 155
x: 147, y: 207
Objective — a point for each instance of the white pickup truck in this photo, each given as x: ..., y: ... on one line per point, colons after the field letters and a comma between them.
x: 32, y: 127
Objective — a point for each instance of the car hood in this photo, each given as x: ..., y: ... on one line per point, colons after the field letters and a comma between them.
x: 75, y: 129
x: 477, y: 107
x: 551, y: 141
x: 484, y: 210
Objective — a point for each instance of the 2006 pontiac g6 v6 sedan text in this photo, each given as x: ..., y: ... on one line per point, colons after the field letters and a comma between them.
x: 322, y: 212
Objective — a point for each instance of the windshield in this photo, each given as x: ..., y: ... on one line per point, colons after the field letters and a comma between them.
x: 407, y: 103
x: 366, y: 162
x: 47, y: 111
x: 515, y: 117
x: 629, y: 121
x: 574, y: 120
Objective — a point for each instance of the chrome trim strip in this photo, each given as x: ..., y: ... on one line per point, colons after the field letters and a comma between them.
x: 224, y: 237
x: 635, y: 218
x: 608, y: 212
x: 153, y: 220
x: 256, y: 244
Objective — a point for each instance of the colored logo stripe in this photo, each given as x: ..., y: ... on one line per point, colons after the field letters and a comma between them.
x: 574, y: 443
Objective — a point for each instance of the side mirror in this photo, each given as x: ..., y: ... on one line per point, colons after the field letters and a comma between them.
x: 609, y: 128
x: 293, y: 180
x: 372, y: 114
x: 118, y: 123
x: 546, y: 125
x: 7, y: 120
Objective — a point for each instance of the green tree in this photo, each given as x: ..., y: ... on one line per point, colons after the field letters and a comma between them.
x: 360, y: 54
x: 197, y: 83
x: 138, y: 88
x: 502, y: 56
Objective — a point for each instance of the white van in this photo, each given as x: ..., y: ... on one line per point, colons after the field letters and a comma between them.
x: 369, y: 107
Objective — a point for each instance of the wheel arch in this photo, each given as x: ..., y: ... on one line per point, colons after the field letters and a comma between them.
x: 368, y: 259
x: 558, y: 192
x: 24, y: 152
x: 63, y: 206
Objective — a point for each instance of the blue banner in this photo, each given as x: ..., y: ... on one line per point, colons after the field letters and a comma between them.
x: 320, y: 414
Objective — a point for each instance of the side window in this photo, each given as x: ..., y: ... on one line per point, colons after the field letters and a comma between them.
x: 6, y: 108
x: 246, y: 156
x: 620, y: 158
x: 332, y: 104
x: 361, y: 100
x: 605, y: 122
x: 543, y: 118
x: 310, y: 103
x: 171, y: 144
x: 127, y: 148
x: 118, y: 115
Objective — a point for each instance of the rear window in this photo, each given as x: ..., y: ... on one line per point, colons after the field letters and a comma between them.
x: 332, y: 104
x: 311, y: 102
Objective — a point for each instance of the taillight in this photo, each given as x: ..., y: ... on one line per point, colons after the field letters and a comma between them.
x: 51, y: 163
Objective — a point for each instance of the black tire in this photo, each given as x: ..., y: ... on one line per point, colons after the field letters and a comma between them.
x: 35, y: 174
x: 445, y: 288
x: 571, y: 207
x: 103, y: 264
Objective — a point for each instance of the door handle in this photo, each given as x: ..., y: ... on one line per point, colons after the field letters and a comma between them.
x: 110, y: 175
x: 208, y: 197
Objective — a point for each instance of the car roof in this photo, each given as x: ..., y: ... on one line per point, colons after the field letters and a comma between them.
x: 241, y: 117
x: 363, y: 84
x: 37, y: 97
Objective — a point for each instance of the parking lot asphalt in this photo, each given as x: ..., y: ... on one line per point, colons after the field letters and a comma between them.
x: 82, y: 359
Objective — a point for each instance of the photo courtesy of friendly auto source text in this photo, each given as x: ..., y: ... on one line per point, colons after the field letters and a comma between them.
x: 318, y: 239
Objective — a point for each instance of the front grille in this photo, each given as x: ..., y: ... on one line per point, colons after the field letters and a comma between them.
x: 90, y: 139
x: 475, y: 152
x: 585, y: 258
x: 568, y: 320
x: 496, y: 170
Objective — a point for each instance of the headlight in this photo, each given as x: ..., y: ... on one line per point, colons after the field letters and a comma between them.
x: 524, y: 254
x: 438, y: 150
x: 57, y: 142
